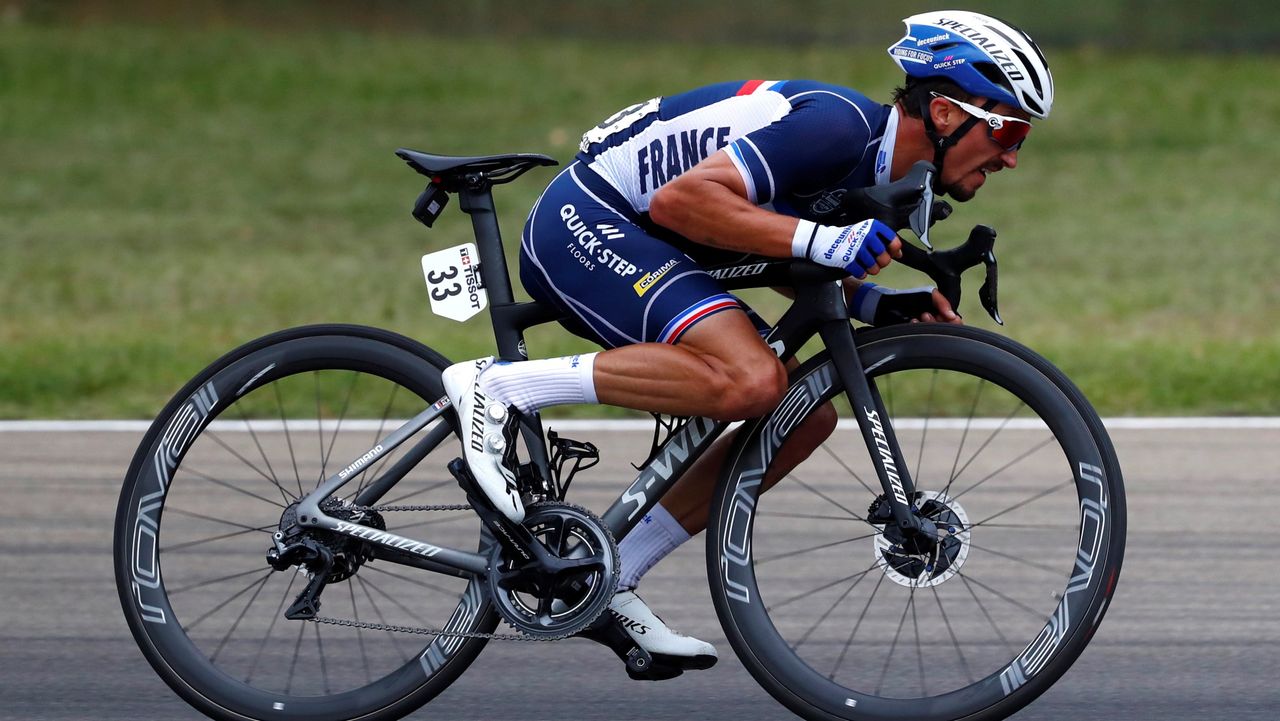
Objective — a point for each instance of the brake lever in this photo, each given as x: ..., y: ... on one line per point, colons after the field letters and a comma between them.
x: 945, y: 267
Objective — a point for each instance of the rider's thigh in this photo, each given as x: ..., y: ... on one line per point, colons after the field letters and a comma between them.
x: 615, y: 282
x: 749, y: 379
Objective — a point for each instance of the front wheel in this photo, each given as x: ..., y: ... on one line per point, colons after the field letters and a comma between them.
x: 221, y: 470
x: 837, y: 617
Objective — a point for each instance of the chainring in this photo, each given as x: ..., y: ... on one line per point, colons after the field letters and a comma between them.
x: 544, y: 608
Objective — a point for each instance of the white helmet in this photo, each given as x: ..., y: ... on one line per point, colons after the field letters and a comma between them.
x: 983, y: 55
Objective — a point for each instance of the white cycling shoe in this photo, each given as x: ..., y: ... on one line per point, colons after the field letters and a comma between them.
x: 486, y: 436
x: 671, y: 651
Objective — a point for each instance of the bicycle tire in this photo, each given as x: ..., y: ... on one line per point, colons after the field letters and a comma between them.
x: 185, y: 456
x: 796, y: 668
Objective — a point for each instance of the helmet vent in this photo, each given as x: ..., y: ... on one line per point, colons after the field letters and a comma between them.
x: 1030, y: 69
x: 1030, y: 103
x: 993, y: 73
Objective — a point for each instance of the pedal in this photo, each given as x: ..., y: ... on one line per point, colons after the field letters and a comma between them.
x: 640, y: 664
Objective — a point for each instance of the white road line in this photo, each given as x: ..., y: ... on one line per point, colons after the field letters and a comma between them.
x: 582, y: 424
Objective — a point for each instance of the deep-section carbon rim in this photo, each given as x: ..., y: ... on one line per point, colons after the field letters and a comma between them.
x: 835, y: 625
x: 208, y: 487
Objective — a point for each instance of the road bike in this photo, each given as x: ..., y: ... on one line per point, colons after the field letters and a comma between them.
x: 298, y: 538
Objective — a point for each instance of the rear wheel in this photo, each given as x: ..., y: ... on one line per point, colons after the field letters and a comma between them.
x: 838, y: 617
x: 220, y: 467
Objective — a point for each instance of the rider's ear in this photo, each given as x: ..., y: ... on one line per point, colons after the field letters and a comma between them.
x: 941, y: 112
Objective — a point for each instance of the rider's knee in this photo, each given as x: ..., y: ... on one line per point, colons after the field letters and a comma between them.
x: 749, y: 390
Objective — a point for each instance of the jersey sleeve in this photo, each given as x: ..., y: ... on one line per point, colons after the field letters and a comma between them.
x: 821, y: 139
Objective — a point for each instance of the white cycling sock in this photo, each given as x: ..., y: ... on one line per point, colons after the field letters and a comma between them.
x: 657, y: 534
x: 534, y: 384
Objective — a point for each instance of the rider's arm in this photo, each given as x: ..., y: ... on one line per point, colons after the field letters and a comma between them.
x: 709, y: 205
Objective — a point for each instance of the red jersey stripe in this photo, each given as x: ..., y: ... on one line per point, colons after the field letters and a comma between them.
x: 749, y: 87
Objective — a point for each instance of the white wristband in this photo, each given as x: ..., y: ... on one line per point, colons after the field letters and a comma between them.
x: 802, y: 239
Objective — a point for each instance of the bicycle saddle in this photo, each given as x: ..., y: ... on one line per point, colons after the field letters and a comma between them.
x: 451, y: 168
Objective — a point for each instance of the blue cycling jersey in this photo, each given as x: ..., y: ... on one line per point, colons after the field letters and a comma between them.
x: 798, y: 144
x: 590, y: 247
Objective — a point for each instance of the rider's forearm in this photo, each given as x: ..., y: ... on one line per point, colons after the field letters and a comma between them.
x: 706, y: 212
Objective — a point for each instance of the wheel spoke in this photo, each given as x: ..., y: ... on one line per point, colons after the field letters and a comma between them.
x: 324, y: 668
x: 924, y: 434
x: 884, y: 672
x: 248, y: 678
x: 394, y: 601
x: 217, y: 439
x: 1007, y: 466
x: 1023, y: 561
x: 186, y: 468
x: 789, y: 554
x: 828, y: 612
x: 211, y: 581
x: 964, y: 436
x: 815, y: 517
x: 827, y: 498
x: 1034, y: 612
x: 211, y: 539
x: 1020, y: 504
x: 288, y: 438
x: 414, y: 581
x: 395, y: 638
x: 214, y: 519
x: 849, y: 470
x: 293, y: 662
x: 377, y: 436
x: 915, y: 624
x: 261, y: 452
x: 220, y: 606
x: 823, y: 587
x: 342, y: 415
x: 990, y: 438
x: 239, y: 618
x: 955, y: 642
x: 986, y: 614
x: 355, y: 614
x: 854, y: 632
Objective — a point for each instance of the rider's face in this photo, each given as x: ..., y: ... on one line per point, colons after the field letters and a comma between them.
x: 976, y: 155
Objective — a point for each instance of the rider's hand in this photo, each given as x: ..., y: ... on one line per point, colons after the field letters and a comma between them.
x: 861, y: 249
x: 942, y: 313
x: 877, y: 305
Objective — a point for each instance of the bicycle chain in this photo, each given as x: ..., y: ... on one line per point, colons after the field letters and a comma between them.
x: 423, y: 630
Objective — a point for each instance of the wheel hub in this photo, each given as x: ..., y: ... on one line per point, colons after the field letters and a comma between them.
x: 933, y: 559
x: 299, y: 545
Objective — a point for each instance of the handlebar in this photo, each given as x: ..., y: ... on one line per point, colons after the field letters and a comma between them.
x: 909, y: 202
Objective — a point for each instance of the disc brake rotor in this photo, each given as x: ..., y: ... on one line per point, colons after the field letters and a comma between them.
x: 914, y: 569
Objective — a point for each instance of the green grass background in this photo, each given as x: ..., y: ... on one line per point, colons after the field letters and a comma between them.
x: 169, y: 193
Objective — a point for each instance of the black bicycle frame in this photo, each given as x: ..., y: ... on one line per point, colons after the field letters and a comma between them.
x: 819, y: 309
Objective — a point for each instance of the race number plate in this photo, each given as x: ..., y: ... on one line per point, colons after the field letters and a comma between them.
x: 453, y: 283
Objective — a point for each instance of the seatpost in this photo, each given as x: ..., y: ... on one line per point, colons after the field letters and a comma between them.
x: 476, y: 200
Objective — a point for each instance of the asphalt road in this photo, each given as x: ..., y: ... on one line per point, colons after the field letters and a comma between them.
x: 1192, y: 633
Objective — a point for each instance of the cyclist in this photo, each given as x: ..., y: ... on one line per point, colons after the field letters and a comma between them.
x: 665, y: 188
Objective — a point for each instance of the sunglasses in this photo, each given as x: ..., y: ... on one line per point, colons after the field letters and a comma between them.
x: 1009, y: 133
